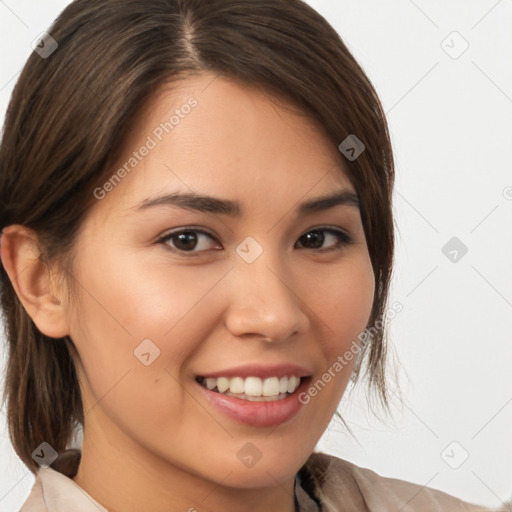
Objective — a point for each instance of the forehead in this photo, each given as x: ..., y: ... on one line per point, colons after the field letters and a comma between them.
x: 206, y: 134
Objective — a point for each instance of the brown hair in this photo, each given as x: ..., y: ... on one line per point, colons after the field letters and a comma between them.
x: 68, y: 117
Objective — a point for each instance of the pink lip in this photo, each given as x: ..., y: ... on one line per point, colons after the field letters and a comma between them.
x: 261, y: 371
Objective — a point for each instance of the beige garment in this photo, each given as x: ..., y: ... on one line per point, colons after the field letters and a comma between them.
x: 324, y: 484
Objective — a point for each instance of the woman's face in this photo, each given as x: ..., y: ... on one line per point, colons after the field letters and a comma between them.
x: 255, y: 287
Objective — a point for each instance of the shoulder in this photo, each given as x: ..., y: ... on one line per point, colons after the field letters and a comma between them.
x: 336, y: 480
x: 35, y: 500
x: 54, y: 491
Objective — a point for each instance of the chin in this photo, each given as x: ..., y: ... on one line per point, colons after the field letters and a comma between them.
x: 265, y: 472
x: 258, y: 478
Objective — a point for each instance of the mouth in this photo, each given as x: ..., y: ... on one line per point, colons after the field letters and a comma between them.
x: 252, y: 388
x: 255, y: 394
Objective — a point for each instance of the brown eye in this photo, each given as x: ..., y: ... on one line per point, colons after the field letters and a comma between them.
x: 187, y: 240
x: 192, y: 242
x: 316, y: 238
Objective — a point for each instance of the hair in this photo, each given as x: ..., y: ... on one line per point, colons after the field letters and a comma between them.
x: 70, y: 113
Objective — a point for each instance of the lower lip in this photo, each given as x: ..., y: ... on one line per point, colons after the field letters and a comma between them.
x: 257, y: 414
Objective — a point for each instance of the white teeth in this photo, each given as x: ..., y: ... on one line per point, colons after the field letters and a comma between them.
x: 293, y: 384
x: 253, y: 386
x: 271, y: 386
x: 236, y: 385
x: 222, y: 384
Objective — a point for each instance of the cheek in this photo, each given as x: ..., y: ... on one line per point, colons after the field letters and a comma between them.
x: 341, y: 303
x: 344, y: 303
x: 137, y: 327
x: 149, y: 404
x: 131, y: 299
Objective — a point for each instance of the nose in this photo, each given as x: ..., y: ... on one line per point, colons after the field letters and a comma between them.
x: 264, y: 302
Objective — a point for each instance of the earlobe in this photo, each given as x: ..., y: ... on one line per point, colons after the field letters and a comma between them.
x: 32, y: 280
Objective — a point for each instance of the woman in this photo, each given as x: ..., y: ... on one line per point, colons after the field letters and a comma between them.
x: 197, y: 232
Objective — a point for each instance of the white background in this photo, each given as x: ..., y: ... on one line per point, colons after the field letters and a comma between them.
x: 451, y: 127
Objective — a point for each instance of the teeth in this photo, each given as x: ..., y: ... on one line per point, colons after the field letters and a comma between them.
x: 253, y: 386
x: 222, y: 384
x: 293, y: 384
x: 236, y: 385
x: 271, y: 386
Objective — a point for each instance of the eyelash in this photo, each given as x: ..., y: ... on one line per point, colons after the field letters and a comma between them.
x: 343, y: 238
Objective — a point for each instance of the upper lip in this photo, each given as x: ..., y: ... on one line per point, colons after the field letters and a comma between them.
x: 261, y: 371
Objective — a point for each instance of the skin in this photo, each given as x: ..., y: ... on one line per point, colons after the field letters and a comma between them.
x: 151, y: 439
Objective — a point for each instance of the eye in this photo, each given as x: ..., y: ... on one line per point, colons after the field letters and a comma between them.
x: 316, y: 238
x: 186, y: 240
x: 193, y: 241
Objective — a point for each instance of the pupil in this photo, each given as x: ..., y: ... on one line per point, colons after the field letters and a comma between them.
x: 315, y: 236
x: 187, y: 240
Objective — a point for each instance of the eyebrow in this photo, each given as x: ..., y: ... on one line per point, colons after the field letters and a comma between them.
x: 209, y: 204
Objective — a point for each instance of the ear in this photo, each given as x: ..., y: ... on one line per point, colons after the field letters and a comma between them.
x: 32, y: 280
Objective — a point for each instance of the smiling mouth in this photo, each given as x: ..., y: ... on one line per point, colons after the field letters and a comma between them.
x: 253, y: 389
